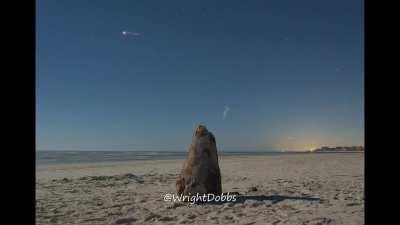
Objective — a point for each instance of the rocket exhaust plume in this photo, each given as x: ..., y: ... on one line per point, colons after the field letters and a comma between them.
x: 225, y: 112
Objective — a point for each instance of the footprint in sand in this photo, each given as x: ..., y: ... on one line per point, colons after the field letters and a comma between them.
x: 127, y: 220
x: 191, y: 216
x: 151, y: 216
x: 167, y: 218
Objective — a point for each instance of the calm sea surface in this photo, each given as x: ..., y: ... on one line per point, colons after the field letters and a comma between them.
x: 63, y: 157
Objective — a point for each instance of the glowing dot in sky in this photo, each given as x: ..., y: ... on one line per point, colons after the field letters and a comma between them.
x: 133, y: 34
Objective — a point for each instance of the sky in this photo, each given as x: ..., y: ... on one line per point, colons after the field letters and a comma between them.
x: 141, y: 75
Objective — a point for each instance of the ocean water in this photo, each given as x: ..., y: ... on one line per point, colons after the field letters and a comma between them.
x: 66, y: 157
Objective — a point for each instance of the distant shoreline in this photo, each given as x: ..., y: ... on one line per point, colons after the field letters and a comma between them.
x: 44, y: 158
x: 337, y: 152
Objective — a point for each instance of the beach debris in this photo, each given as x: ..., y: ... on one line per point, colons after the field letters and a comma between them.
x: 251, y: 189
x: 63, y: 180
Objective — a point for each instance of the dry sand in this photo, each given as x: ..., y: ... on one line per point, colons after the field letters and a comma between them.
x: 282, y: 189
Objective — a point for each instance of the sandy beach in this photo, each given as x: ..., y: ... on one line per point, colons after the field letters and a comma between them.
x: 277, y: 189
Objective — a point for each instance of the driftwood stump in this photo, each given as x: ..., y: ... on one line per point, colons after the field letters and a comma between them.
x: 201, y: 173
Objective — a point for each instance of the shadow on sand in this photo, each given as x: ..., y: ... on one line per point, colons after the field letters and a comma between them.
x: 273, y: 198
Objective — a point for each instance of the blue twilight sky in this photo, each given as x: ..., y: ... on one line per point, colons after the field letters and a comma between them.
x: 259, y: 74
